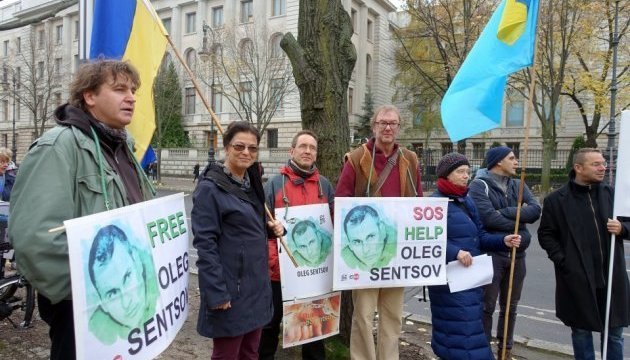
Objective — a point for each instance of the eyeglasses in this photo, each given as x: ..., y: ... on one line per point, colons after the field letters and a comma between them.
x: 598, y: 164
x: 384, y: 125
x: 241, y: 147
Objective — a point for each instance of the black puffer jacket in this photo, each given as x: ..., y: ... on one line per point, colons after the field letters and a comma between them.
x: 497, y: 209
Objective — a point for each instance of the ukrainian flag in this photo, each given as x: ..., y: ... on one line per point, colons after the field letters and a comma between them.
x: 474, y: 100
x: 131, y: 30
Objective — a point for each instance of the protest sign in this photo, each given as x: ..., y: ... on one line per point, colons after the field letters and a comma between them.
x: 622, y: 184
x: 309, y: 237
x: 311, y: 319
x: 389, y: 242
x: 129, y: 269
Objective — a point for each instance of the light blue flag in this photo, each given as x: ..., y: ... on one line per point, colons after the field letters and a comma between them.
x: 473, y: 102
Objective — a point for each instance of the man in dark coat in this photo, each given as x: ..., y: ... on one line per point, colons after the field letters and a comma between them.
x: 495, y: 193
x: 575, y: 231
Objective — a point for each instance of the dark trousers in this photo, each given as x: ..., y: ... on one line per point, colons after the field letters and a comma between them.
x: 269, y: 339
x: 59, y: 318
x: 499, y: 288
x: 241, y: 347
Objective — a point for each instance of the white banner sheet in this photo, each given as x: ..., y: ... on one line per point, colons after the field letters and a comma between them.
x: 129, y: 269
x: 389, y: 242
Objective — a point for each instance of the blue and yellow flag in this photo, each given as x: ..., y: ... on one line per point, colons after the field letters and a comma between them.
x: 131, y: 30
x: 474, y: 100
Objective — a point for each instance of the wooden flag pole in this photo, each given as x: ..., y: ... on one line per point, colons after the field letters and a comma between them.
x: 528, y: 118
x: 192, y: 77
x: 281, y: 239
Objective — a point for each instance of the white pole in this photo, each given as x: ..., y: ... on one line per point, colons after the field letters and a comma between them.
x: 86, y: 12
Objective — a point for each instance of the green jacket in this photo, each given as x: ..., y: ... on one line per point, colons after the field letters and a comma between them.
x: 59, y: 179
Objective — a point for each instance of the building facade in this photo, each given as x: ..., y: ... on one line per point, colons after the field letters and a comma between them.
x: 45, y: 56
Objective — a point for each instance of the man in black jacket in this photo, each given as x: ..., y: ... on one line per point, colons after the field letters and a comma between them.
x: 496, y: 196
x: 575, y: 231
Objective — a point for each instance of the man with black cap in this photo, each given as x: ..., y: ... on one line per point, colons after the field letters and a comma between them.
x: 495, y: 194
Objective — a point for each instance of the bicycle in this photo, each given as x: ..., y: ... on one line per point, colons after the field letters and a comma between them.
x: 16, y: 293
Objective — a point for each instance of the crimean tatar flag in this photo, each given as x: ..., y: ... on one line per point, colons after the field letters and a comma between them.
x: 131, y: 30
x: 513, y: 21
x: 473, y: 102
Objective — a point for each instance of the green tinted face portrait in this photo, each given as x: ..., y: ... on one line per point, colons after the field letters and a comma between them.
x: 121, y: 286
x: 366, y: 240
x: 309, y: 245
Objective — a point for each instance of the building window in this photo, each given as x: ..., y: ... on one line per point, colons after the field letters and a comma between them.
x: 246, y: 95
x: 5, y: 48
x: 350, y: 101
x: 18, y: 77
x: 77, y: 30
x: 57, y: 66
x: 246, y: 50
x: 515, y: 146
x: 479, y: 150
x: 18, y: 45
x: 272, y: 138
x: 461, y: 147
x: 447, y: 147
x: 514, y: 113
x: 191, y: 22
x: 77, y: 62
x: 59, y: 34
x: 190, y: 101
x: 276, y: 92
x: 5, y: 74
x: 41, y: 39
x: 191, y: 59
x: 368, y: 67
x: 247, y: 11
x: 217, y: 16
x: 167, y: 24
x: 370, y: 29
x: 5, y: 140
x: 276, y: 50
x: 40, y: 69
x: 217, y: 98
x: 57, y: 99
x: 5, y: 110
x: 353, y: 19
x: 417, y: 120
x: 279, y: 7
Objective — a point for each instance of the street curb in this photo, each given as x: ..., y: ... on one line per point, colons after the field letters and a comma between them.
x: 533, y: 344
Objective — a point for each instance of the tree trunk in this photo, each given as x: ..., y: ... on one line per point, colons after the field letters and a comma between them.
x: 549, y: 148
x: 322, y: 58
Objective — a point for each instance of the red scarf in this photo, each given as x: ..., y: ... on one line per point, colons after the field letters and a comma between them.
x: 449, y: 189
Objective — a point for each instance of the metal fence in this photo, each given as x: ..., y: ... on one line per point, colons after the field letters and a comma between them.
x: 429, y: 158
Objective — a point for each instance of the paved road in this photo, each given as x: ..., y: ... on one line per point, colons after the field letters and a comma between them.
x: 536, y: 320
x: 536, y: 324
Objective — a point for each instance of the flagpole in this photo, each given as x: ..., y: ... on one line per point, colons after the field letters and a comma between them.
x: 521, y: 187
x: 195, y: 84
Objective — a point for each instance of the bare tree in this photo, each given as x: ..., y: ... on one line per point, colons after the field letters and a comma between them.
x: 558, y: 26
x: 432, y: 47
x: 251, y: 72
x: 39, y: 69
x: 588, y: 80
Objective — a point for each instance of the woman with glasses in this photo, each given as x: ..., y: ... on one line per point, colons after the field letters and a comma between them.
x: 230, y: 235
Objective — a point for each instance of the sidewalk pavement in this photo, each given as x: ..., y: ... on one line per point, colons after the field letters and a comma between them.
x: 524, y: 348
